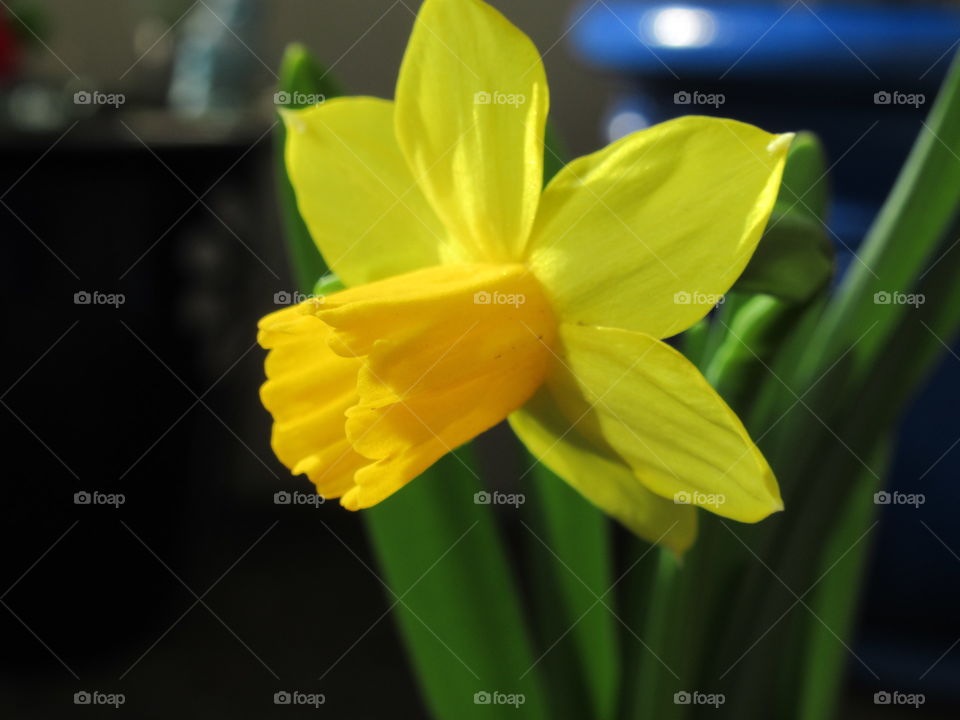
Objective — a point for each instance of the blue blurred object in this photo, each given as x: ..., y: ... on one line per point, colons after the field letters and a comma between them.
x: 862, y: 77
x: 797, y: 40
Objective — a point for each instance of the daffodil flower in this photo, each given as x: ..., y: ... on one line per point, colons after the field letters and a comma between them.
x: 475, y: 295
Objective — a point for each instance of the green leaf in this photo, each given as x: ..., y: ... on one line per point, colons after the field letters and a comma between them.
x: 458, y: 610
x: 901, y: 242
x: 301, y: 79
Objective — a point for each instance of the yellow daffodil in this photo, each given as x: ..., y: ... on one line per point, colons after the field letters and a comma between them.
x: 474, y: 295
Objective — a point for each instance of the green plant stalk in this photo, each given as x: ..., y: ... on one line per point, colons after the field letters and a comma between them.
x: 636, y: 587
x: 653, y: 681
x: 456, y: 600
x: 559, y: 665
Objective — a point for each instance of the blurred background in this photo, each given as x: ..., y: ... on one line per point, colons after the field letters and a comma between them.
x: 144, y: 550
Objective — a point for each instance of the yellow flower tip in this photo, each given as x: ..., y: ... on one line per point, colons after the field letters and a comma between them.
x: 351, y: 500
x: 373, y: 386
x: 777, y: 504
x: 780, y: 143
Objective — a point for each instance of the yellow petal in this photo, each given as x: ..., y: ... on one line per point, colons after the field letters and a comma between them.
x: 471, y: 110
x: 659, y: 414
x: 598, y: 473
x: 446, y: 353
x: 355, y: 192
x: 308, y: 390
x: 648, y: 233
